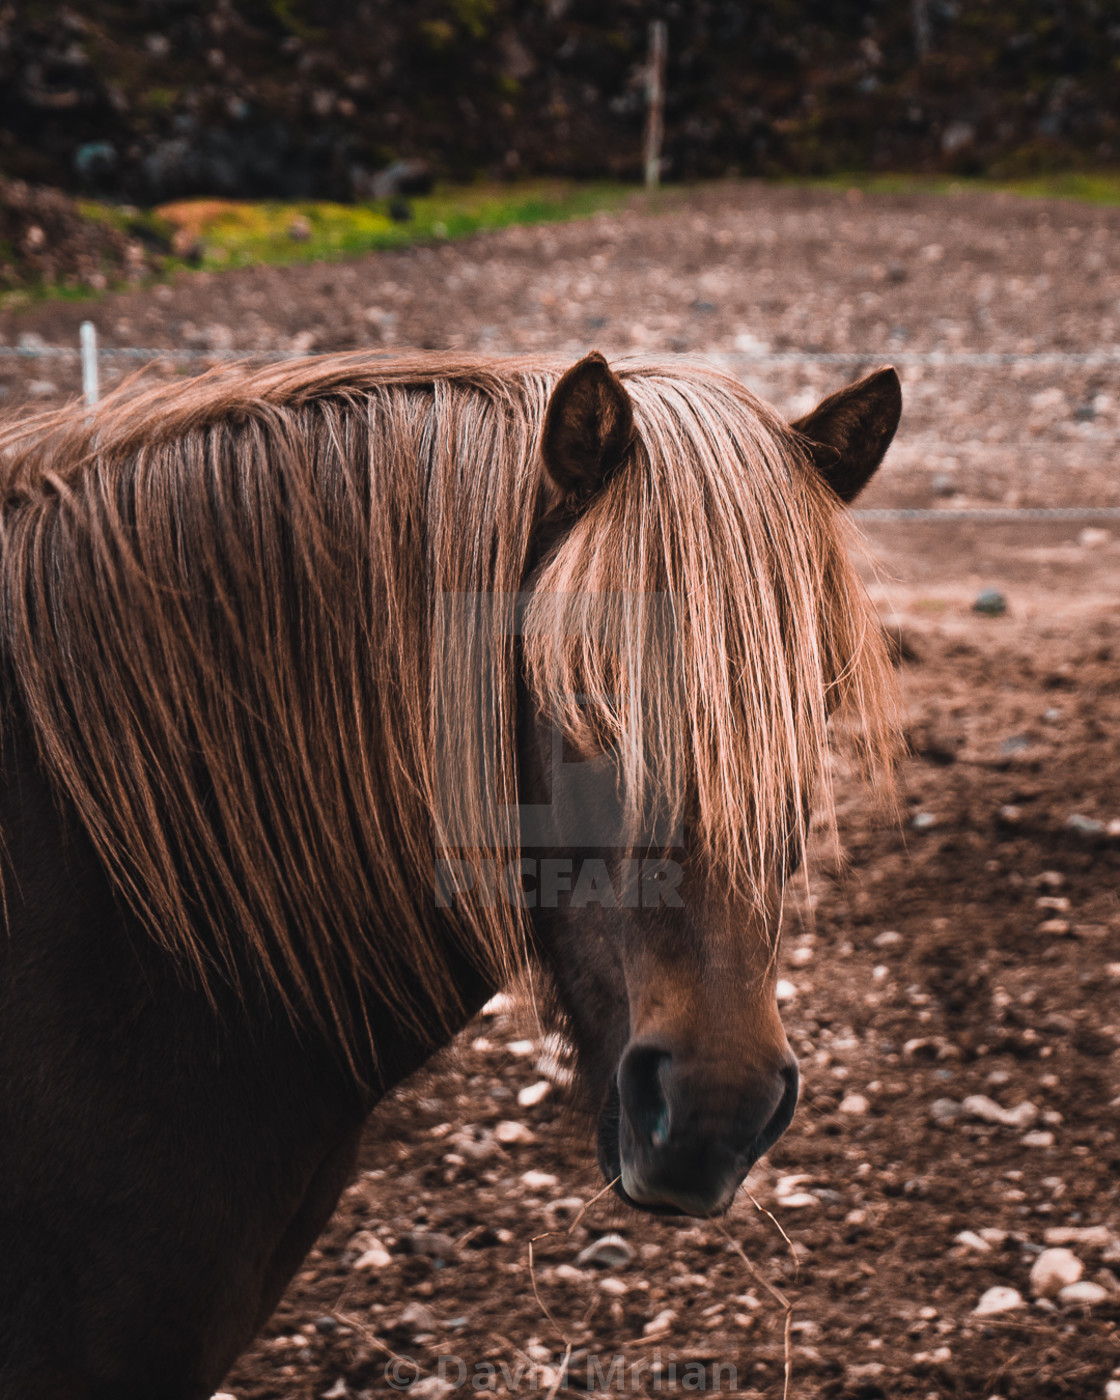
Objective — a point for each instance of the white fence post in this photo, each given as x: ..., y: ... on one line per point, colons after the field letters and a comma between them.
x: 88, y: 340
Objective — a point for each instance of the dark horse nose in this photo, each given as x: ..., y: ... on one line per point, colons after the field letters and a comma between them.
x: 688, y: 1138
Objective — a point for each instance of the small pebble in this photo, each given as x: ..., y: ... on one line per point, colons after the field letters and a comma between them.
x: 376, y: 1257
x: 855, y: 1104
x: 659, y: 1324
x: 923, y: 821
x: 1085, y: 826
x: 1094, y: 1236
x: 614, y: 1286
x: 607, y: 1252
x: 416, y: 1318
x: 1084, y: 1291
x: 999, y: 1299
x: 539, y: 1181
x: 888, y: 939
x: 509, y: 1133
x: 988, y: 1111
x: 945, y: 1111
x: 1053, y: 1270
x: 991, y: 603
x: 1112, y: 1390
x: 1041, y: 1137
x: 970, y: 1240
x: 533, y: 1094
x: 785, y: 991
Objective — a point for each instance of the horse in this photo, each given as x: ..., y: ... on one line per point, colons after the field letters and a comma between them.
x: 337, y: 693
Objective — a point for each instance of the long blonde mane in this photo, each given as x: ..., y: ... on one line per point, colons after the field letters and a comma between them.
x: 223, y: 609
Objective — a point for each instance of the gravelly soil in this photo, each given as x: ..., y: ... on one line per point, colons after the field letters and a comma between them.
x: 1003, y: 974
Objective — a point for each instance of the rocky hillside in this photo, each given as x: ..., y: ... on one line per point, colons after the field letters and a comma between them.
x: 148, y: 100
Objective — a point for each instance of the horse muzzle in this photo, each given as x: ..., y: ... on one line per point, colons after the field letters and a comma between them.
x: 684, y: 1142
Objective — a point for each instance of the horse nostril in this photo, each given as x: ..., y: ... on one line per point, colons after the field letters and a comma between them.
x: 642, y: 1091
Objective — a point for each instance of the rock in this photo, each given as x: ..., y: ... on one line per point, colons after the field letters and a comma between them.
x: 562, y: 1212
x: 42, y: 388
x: 945, y: 1111
x: 942, y: 484
x: 1085, y: 826
x: 428, y: 1243
x: 416, y: 1318
x: 1053, y: 1270
x: 509, y: 1133
x: 799, y: 1200
x: 988, y: 1111
x: 376, y: 1257
x: 785, y: 990
x: 521, y: 1047
x: 1093, y: 1236
x: 1094, y: 539
x: 887, y: 939
x: 533, y: 1094
x: 855, y: 1104
x: 970, y: 1240
x: 991, y: 603
x: 325, y: 1325
x: 1041, y: 1137
x: 539, y: 1181
x: 923, y: 821
x: 660, y: 1324
x: 607, y: 1252
x: 999, y: 1299
x: 431, y: 1388
x: 615, y: 1287
x: 1112, y: 1390
x: 1085, y: 1291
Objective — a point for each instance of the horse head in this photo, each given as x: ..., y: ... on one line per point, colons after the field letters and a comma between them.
x: 664, y: 960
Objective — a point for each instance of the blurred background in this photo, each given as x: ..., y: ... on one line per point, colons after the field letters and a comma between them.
x: 147, y: 103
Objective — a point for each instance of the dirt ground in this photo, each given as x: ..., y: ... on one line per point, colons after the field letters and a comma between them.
x: 971, y: 948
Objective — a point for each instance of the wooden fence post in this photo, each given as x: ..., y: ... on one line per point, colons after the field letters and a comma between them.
x: 655, y: 102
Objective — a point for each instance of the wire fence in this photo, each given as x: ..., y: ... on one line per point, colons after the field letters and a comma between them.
x: 91, y: 353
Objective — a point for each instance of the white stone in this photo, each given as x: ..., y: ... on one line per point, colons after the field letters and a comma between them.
x: 1112, y: 1390
x: 659, y: 1324
x: 376, y: 1257
x: 999, y: 1299
x: 1053, y: 1270
x: 988, y: 1111
x: 508, y: 1133
x: 521, y: 1047
x: 1095, y: 1236
x: 785, y: 991
x: 1041, y: 1137
x: 970, y: 1240
x: 614, y: 1286
x: 799, y: 1200
x: 888, y: 939
x: 533, y: 1094
x: 855, y: 1104
x: 607, y: 1252
x: 539, y: 1181
x: 1084, y: 1291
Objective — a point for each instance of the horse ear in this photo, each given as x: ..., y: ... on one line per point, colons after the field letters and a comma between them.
x: 588, y: 426
x: 848, y: 433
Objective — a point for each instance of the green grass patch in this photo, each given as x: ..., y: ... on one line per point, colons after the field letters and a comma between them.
x: 1082, y: 187
x: 232, y: 233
